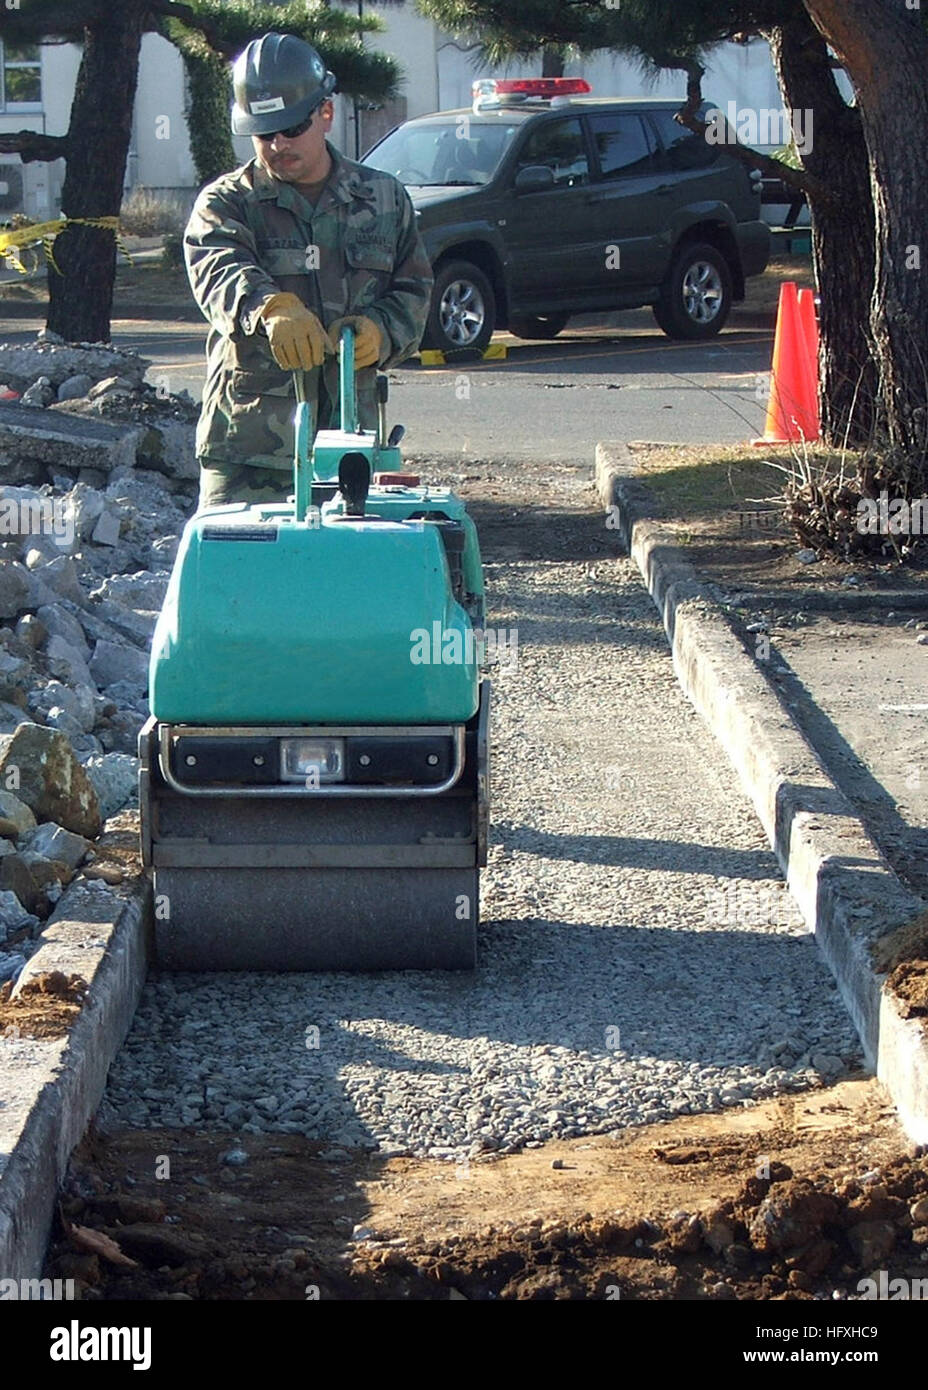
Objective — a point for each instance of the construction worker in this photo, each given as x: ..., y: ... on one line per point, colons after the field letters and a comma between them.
x: 282, y: 252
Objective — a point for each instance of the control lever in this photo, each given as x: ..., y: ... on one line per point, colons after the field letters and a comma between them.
x: 354, y: 480
x: 382, y: 391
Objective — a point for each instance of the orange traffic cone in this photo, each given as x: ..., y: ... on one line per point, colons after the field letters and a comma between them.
x: 810, y: 327
x: 809, y: 320
x: 792, y: 410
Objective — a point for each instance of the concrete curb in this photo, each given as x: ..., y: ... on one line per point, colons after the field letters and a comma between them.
x: 51, y: 1088
x: 847, y: 893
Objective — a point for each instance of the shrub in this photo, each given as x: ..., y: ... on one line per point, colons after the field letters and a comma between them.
x: 147, y: 212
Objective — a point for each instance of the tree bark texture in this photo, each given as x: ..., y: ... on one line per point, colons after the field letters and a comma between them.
x: 842, y: 230
x: 81, y: 296
x: 884, y: 48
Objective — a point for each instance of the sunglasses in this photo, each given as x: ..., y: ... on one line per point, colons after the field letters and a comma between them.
x: 292, y: 132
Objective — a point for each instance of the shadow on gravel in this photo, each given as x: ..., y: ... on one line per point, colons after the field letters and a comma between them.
x: 515, y: 528
x: 554, y: 629
x: 634, y: 852
x: 415, y: 1059
x: 711, y: 996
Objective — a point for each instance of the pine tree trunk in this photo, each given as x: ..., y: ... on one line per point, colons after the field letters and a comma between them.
x: 884, y: 48
x: 552, y: 61
x: 842, y: 230
x: 81, y: 297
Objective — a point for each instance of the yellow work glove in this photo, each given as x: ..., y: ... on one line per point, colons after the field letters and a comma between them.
x: 368, y: 339
x: 297, y: 338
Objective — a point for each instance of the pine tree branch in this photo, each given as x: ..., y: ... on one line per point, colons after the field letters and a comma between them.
x: 32, y: 146
x: 172, y: 9
x: 799, y: 179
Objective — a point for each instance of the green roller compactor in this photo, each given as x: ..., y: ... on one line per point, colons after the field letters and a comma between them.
x: 314, y: 779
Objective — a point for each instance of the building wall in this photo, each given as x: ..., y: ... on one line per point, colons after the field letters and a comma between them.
x: 160, y: 154
x: 42, y: 182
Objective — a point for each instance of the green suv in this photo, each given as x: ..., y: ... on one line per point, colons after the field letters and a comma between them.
x: 533, y: 208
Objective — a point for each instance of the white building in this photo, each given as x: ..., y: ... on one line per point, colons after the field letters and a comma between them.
x: 37, y: 85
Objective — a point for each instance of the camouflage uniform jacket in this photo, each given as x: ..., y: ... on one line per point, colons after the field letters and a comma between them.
x: 357, y: 252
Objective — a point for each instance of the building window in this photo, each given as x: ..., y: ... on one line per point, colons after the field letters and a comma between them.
x: 20, y: 77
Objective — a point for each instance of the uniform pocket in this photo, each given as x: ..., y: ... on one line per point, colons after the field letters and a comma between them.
x: 369, y: 255
x: 261, y: 381
x: 259, y: 415
x: 369, y: 267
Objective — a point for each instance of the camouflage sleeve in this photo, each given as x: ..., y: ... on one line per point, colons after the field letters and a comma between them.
x: 227, y: 282
x: 402, y: 312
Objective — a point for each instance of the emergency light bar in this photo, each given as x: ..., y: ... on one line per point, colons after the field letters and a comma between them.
x: 493, y: 91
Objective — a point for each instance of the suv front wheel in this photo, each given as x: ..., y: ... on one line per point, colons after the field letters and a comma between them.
x: 463, y: 310
x: 696, y: 296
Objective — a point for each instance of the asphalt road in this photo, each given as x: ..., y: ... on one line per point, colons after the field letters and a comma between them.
x: 616, y: 378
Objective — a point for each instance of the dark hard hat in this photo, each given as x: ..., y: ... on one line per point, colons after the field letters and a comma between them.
x: 278, y: 81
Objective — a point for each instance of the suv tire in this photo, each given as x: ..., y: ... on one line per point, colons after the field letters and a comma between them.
x: 537, y: 326
x: 696, y: 296
x: 463, y: 309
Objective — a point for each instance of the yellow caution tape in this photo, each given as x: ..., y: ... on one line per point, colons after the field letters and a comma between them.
x: 45, y: 233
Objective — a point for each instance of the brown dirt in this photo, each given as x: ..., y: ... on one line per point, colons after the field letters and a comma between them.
x: 46, y: 1007
x: 668, y: 1212
x: 904, y: 956
x: 909, y: 983
x: 724, y: 505
x: 907, y: 943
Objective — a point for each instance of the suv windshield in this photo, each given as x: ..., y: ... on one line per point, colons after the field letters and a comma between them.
x: 432, y: 153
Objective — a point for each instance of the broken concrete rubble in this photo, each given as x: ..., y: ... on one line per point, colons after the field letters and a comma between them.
x: 15, y: 811
x: 40, y: 764
x: 66, y: 662
x: 75, y: 387
x: 23, y: 363
x: 87, y: 539
x: 111, y: 663
x: 32, y: 439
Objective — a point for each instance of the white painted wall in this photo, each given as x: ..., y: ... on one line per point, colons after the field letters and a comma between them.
x: 160, y: 155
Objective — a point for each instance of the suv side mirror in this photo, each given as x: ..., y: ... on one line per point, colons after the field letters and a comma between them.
x: 533, y: 178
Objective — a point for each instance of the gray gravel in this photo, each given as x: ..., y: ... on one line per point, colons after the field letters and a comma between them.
x: 639, y: 957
